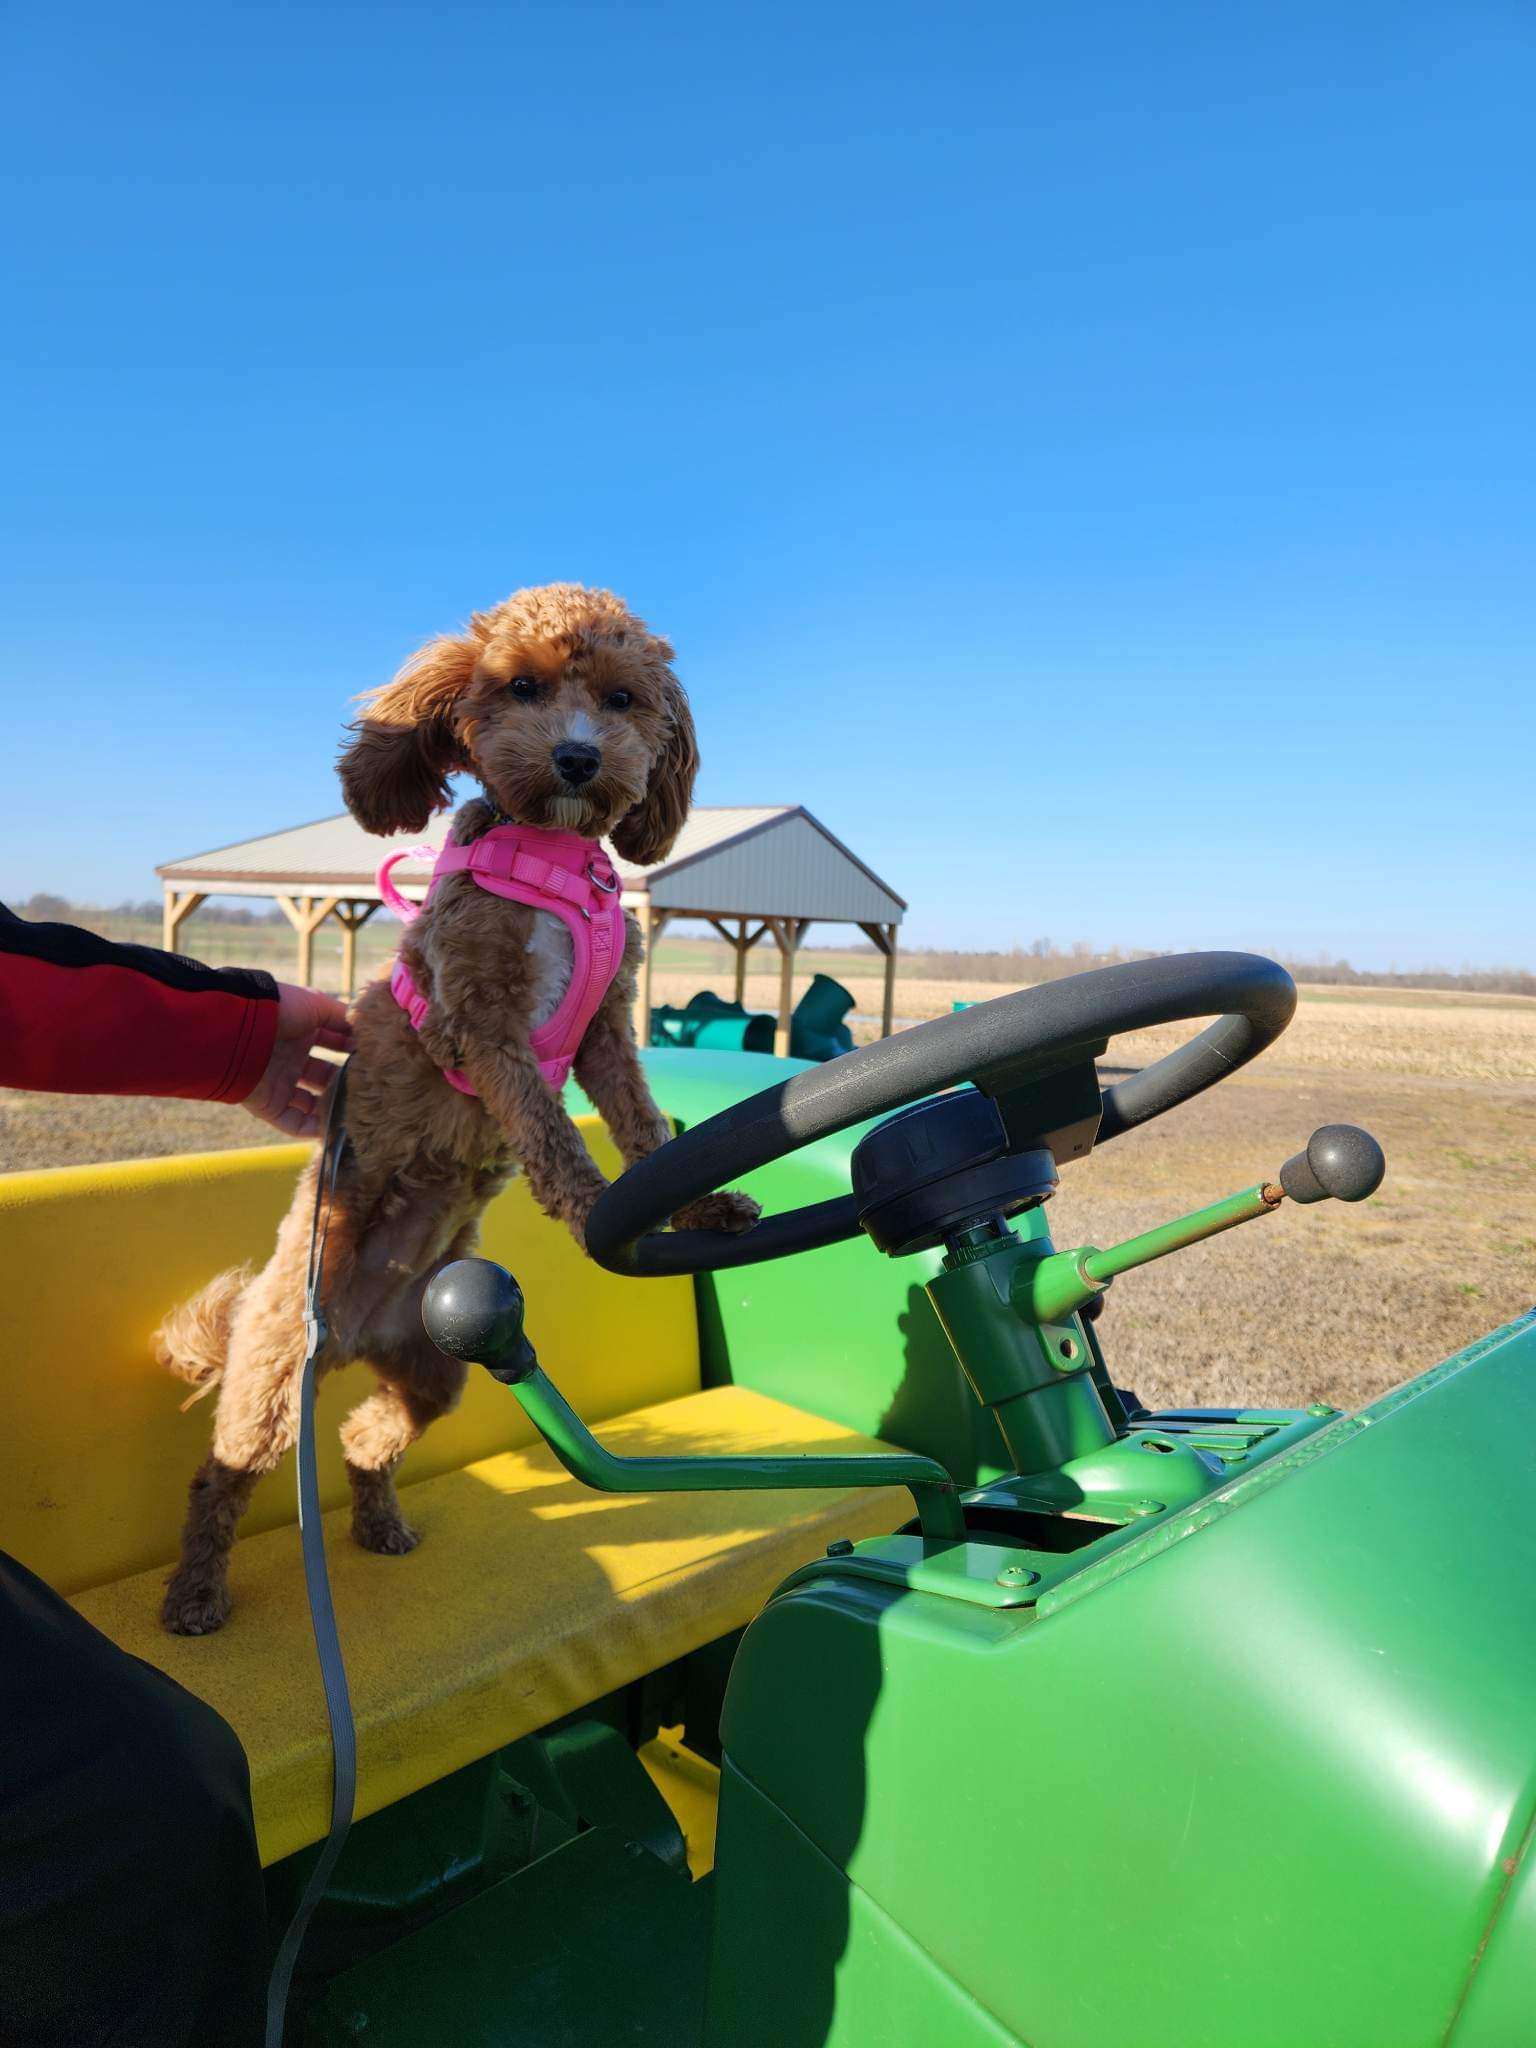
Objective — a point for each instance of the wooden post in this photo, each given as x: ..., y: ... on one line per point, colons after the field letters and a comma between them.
x: 351, y: 917
x: 883, y: 938
x: 744, y: 944
x: 347, y: 918
x: 306, y: 919
x: 177, y: 910
x: 641, y: 1016
x: 788, y: 932
x: 652, y: 924
x: 306, y: 941
x: 734, y: 943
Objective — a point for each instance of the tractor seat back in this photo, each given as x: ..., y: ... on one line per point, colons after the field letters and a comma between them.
x: 98, y: 1449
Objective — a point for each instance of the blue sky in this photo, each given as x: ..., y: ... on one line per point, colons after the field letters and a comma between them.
x: 1084, y: 453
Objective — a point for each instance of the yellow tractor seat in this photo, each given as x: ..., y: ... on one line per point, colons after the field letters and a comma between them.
x: 529, y: 1597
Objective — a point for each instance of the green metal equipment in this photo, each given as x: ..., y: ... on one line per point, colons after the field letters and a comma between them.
x: 1194, y: 1729
x: 816, y: 1027
x: 711, y: 1024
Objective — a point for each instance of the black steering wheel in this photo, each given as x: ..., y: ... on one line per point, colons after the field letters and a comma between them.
x: 1032, y: 1052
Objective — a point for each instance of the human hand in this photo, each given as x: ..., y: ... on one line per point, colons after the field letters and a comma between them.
x: 291, y: 1093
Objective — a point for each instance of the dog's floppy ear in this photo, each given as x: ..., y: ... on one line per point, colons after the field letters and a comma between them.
x: 645, y: 834
x: 394, y: 774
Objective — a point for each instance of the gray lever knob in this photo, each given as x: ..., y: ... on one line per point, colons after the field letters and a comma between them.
x: 1340, y: 1160
x: 473, y: 1309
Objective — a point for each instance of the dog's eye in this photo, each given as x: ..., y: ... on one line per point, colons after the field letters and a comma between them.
x: 524, y: 689
x: 619, y: 700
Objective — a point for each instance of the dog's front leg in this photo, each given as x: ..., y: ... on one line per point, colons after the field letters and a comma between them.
x: 608, y: 1067
x: 561, y: 1171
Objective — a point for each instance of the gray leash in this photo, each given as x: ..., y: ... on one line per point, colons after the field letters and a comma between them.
x: 317, y: 1584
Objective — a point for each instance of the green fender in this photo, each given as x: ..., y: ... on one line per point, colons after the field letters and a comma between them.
x: 1263, y: 1777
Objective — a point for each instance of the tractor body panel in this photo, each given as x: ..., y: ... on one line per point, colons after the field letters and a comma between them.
x: 1262, y: 1774
x: 1252, y: 1772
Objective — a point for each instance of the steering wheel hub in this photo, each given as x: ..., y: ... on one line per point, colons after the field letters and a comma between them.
x: 933, y: 1170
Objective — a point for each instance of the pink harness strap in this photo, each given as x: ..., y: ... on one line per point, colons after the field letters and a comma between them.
x: 559, y: 872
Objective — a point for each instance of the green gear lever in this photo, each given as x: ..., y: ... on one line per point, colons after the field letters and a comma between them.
x: 1340, y: 1161
x: 473, y: 1310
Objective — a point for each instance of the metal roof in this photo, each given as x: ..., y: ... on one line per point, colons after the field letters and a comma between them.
x: 772, y: 863
x: 730, y: 860
x: 329, y: 856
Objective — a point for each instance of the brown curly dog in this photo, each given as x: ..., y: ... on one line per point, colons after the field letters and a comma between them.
x: 422, y: 1159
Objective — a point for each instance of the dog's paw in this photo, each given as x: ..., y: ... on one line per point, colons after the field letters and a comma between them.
x: 385, y: 1536
x: 194, y: 1607
x: 727, y: 1211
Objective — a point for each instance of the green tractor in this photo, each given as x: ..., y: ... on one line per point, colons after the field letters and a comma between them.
x: 874, y: 1672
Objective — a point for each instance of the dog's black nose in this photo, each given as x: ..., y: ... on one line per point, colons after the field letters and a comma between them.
x: 577, y: 762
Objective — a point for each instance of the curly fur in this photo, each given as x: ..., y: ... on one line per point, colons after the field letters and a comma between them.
x: 193, y: 1339
x: 422, y: 1160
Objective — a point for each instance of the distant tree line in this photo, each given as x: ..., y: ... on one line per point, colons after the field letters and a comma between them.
x: 44, y: 908
x: 1482, y: 981
x: 1042, y: 961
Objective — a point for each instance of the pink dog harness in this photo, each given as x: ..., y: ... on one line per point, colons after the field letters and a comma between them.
x: 560, y: 872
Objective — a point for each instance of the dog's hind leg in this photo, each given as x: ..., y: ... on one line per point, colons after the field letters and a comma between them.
x: 197, y: 1593
x: 417, y: 1384
x: 257, y: 1418
x: 257, y: 1421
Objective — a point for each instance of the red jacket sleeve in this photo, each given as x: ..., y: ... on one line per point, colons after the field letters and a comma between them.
x: 80, y: 1015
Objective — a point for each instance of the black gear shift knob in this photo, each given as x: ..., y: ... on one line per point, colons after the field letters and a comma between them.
x: 1340, y: 1160
x: 473, y: 1309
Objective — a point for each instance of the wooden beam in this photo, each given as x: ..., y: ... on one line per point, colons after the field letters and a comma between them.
x: 352, y: 917
x: 640, y: 1016
x: 178, y: 908
x: 883, y: 938
x: 306, y: 917
x: 307, y: 944
x: 652, y: 923
x: 787, y: 933
x: 744, y: 941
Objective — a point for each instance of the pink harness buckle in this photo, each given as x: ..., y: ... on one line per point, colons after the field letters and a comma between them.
x: 559, y: 872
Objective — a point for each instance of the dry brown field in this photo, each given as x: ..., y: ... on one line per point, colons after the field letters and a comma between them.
x: 1328, y: 1303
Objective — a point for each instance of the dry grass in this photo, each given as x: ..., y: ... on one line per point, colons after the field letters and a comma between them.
x: 1445, y: 1038
x: 1327, y: 1303
x: 1451, y: 1037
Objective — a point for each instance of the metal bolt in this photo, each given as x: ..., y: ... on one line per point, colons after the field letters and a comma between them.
x: 1016, y: 1575
x: 1146, y: 1507
x: 840, y: 1547
x: 1321, y: 1408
